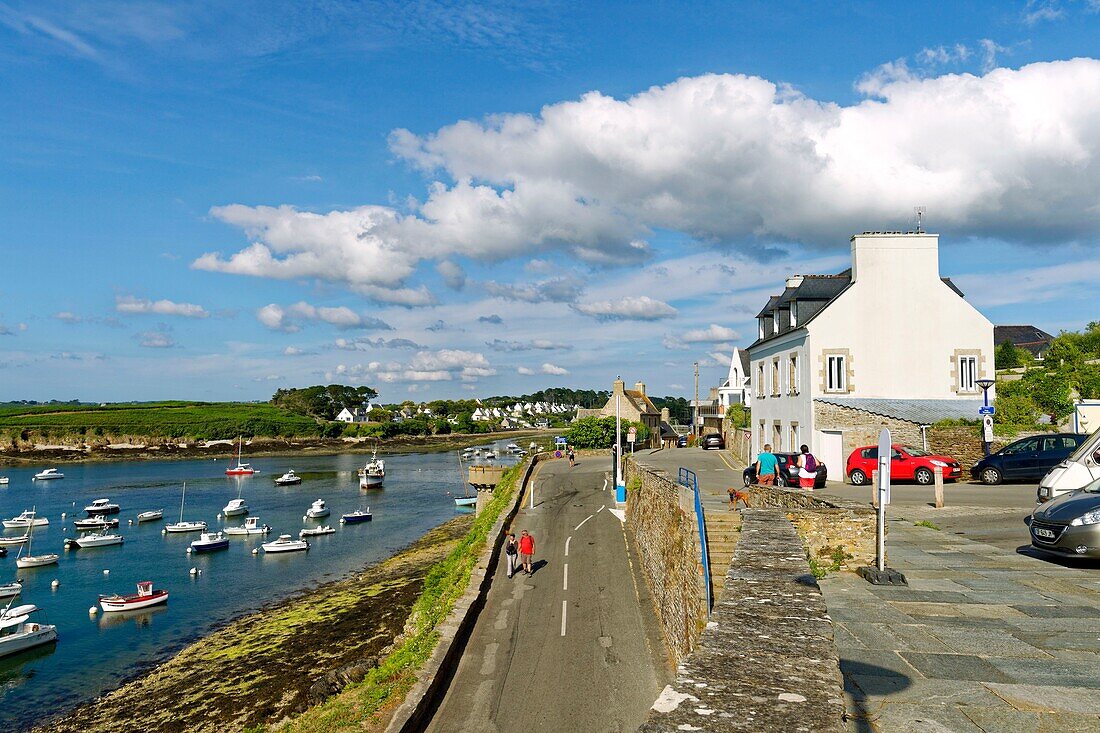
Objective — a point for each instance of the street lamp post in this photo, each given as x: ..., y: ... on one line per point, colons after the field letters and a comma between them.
x: 985, y: 384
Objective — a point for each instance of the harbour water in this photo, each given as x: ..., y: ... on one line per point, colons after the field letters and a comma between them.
x: 96, y: 653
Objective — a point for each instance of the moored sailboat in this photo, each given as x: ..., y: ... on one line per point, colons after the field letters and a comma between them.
x: 182, y: 526
x: 34, y: 561
x: 241, y: 469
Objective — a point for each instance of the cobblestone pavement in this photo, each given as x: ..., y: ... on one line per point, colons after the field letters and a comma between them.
x: 983, y: 639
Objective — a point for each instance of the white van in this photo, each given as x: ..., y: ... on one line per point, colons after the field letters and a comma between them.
x: 1076, y: 472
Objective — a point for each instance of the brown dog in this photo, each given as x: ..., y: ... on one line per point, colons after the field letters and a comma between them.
x: 737, y: 496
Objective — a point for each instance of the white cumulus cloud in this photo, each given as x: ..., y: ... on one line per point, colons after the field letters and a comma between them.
x: 632, y: 308
x: 548, y: 368
x: 711, y: 334
x: 132, y: 304
x: 291, y: 317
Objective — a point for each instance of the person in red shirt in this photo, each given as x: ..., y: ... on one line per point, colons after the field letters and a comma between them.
x: 526, y: 551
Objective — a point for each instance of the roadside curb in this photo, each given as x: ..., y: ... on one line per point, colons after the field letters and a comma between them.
x: 422, y: 700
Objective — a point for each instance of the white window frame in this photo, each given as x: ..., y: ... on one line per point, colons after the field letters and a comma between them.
x: 761, y: 373
x: 967, y: 369
x: 836, y: 373
x: 793, y: 376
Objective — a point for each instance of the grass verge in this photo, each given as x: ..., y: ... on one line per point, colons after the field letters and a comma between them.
x: 926, y: 523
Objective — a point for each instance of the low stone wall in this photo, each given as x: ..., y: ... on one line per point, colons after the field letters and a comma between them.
x: 834, y: 530
x: 767, y: 661
x: 662, y: 528
x: 963, y: 443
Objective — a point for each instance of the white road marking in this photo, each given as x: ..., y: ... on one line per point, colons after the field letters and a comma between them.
x: 582, y: 523
x: 567, y: 545
x: 565, y: 580
x: 604, y: 485
x: 563, y: 609
x: 601, y: 509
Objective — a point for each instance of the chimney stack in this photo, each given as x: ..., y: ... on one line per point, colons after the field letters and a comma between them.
x: 639, y: 387
x: 618, y: 386
x: 794, y: 281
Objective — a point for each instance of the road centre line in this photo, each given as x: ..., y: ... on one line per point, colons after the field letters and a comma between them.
x: 601, y: 509
x: 583, y: 521
x: 563, y: 610
x: 567, y: 545
x: 565, y: 579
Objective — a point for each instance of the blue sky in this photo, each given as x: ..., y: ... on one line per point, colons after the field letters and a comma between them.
x: 443, y: 199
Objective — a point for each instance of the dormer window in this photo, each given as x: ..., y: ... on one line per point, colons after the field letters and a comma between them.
x: 775, y: 321
x: 794, y: 314
x: 761, y: 327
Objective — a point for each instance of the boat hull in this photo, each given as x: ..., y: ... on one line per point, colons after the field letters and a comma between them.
x: 371, y: 482
x: 36, y: 561
x: 23, y: 523
x: 318, y: 515
x: 10, y: 590
x: 235, y: 512
x: 88, y: 542
x: 289, y: 547
x: 48, y: 477
x: 132, y: 603
x: 8, y: 541
x: 176, y: 529
x: 238, y: 531
x: 239, y: 472
x: 149, y: 516
x: 355, y: 518
x: 92, y: 511
x: 27, y: 640
x: 211, y: 546
x: 466, y: 501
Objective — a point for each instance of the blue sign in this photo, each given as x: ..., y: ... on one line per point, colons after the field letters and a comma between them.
x: 987, y: 410
x: 560, y: 441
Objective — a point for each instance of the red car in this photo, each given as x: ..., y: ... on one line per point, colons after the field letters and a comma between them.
x: 906, y: 464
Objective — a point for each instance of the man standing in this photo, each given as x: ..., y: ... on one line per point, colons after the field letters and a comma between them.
x: 767, y: 466
x: 526, y: 551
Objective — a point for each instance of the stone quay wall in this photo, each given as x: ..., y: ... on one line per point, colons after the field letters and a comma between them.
x: 661, y: 525
x: 767, y: 661
x: 833, y: 529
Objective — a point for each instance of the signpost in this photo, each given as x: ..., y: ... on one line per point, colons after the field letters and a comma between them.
x: 987, y: 410
x: 880, y: 574
x: 631, y: 437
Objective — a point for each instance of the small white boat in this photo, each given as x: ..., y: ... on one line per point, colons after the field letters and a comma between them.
x: 26, y: 519
x: 18, y: 633
x: 285, y: 543
x: 316, y: 531
x: 151, y: 516
x: 102, y: 538
x: 356, y: 517
x: 6, y: 541
x: 251, y: 526
x: 465, y: 501
x: 241, y: 469
x: 372, y: 475
x: 288, y: 478
x: 235, y: 508
x: 92, y: 523
x: 48, y: 474
x: 146, y: 596
x: 182, y: 526
x: 319, y: 510
x: 490, y: 454
x: 209, y: 542
x: 33, y: 561
x: 101, y: 506
x: 11, y: 590
x: 3, y: 480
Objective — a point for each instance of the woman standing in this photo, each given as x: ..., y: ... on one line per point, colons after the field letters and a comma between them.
x: 511, y: 549
x: 807, y: 469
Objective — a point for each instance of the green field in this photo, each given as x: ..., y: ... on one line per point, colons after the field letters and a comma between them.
x: 184, y: 420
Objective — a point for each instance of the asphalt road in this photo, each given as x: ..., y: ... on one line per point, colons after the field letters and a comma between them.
x: 575, y: 646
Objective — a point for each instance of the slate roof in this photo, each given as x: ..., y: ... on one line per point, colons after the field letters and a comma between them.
x: 1026, y: 337
x: 922, y: 412
x: 744, y: 354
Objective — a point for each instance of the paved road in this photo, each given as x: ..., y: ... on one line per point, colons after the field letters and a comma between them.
x: 574, y: 647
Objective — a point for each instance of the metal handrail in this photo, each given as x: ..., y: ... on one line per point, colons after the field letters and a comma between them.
x: 683, y: 477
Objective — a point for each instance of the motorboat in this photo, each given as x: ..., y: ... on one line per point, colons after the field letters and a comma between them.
x: 289, y: 478
x: 182, y: 526
x: 151, y: 516
x: 512, y: 447
x: 241, y: 469
x: 18, y: 633
x: 33, y: 561
x: 103, y: 538
x: 101, y: 506
x: 373, y: 474
x: 356, y: 517
x: 316, y: 531
x: 97, y: 522
x: 146, y: 596
x: 11, y: 590
x: 3, y: 480
x: 251, y: 526
x: 48, y: 474
x: 319, y: 510
x: 26, y: 519
x: 209, y: 542
x: 8, y: 541
x: 235, y: 508
x: 489, y: 455
x: 285, y: 543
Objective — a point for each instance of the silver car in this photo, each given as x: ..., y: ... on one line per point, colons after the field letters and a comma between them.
x: 1069, y: 525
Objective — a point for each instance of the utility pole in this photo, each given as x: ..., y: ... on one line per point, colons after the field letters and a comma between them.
x: 695, y: 409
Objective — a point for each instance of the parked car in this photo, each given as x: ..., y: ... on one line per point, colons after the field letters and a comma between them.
x: 906, y: 464
x: 1077, y: 471
x: 682, y: 441
x: 713, y: 440
x: 788, y: 471
x: 1069, y: 525
x: 1028, y: 458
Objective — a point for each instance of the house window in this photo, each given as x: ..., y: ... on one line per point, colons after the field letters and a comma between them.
x: 794, y: 314
x: 760, y: 389
x: 792, y: 374
x: 763, y: 436
x: 836, y: 373
x: 795, y: 439
x: 777, y: 436
x: 968, y: 373
x: 776, y: 380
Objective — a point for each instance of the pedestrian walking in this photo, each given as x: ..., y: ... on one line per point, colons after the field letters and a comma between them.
x: 807, y: 469
x: 572, y: 458
x: 511, y: 550
x: 767, y: 466
x: 526, y: 551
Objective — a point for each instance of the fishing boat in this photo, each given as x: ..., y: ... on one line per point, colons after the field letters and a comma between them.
x: 241, y: 469
x: 18, y: 633
x: 103, y: 538
x: 99, y: 522
x: 235, y: 508
x: 465, y: 501
x: 33, y: 561
x: 182, y: 526
x: 288, y: 478
x: 8, y: 541
x: 251, y: 526
x: 151, y: 516
x: 319, y: 510
x: 101, y: 506
x: 285, y: 543
x: 209, y: 542
x: 26, y: 519
x: 146, y: 596
x: 356, y: 517
x: 48, y: 474
x: 11, y: 590
x: 372, y: 475
x: 316, y: 531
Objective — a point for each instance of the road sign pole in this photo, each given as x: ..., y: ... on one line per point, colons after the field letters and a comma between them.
x: 885, y: 451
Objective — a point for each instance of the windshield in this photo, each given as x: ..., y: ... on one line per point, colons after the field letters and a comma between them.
x: 916, y: 452
x: 1085, y: 448
x: 1093, y: 488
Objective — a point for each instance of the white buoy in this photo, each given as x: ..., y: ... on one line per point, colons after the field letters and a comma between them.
x: 219, y: 515
x: 188, y: 550
x: 194, y: 571
x: 106, y: 572
x: 93, y: 611
x: 255, y: 551
x: 62, y: 516
x: 130, y: 522
x: 164, y: 531
x: 55, y: 584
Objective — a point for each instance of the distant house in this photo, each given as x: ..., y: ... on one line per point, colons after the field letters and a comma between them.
x: 736, y: 390
x: 353, y: 415
x: 1034, y: 340
x: 634, y: 405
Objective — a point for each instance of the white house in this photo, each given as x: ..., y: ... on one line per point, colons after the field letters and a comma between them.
x: 735, y: 390
x: 356, y: 414
x: 887, y: 343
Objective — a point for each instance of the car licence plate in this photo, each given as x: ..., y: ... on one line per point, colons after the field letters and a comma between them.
x: 1044, y: 533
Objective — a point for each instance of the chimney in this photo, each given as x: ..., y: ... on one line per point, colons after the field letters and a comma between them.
x: 665, y: 415
x: 794, y: 281
x: 618, y: 386
x: 892, y: 258
x: 639, y: 387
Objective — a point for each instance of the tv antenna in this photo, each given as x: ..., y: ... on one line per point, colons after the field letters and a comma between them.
x: 919, y: 212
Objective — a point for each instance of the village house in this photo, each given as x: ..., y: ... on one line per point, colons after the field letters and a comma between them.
x: 887, y: 343
x: 356, y: 414
x: 634, y: 405
x: 1029, y: 338
x: 735, y: 390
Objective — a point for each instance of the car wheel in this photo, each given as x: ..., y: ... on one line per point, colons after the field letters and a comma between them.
x: 991, y: 476
x: 858, y: 477
x: 923, y: 476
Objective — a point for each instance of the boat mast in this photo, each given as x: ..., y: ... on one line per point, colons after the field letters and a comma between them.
x: 183, y: 499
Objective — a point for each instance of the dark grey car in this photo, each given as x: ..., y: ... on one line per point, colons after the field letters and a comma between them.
x: 1069, y: 525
